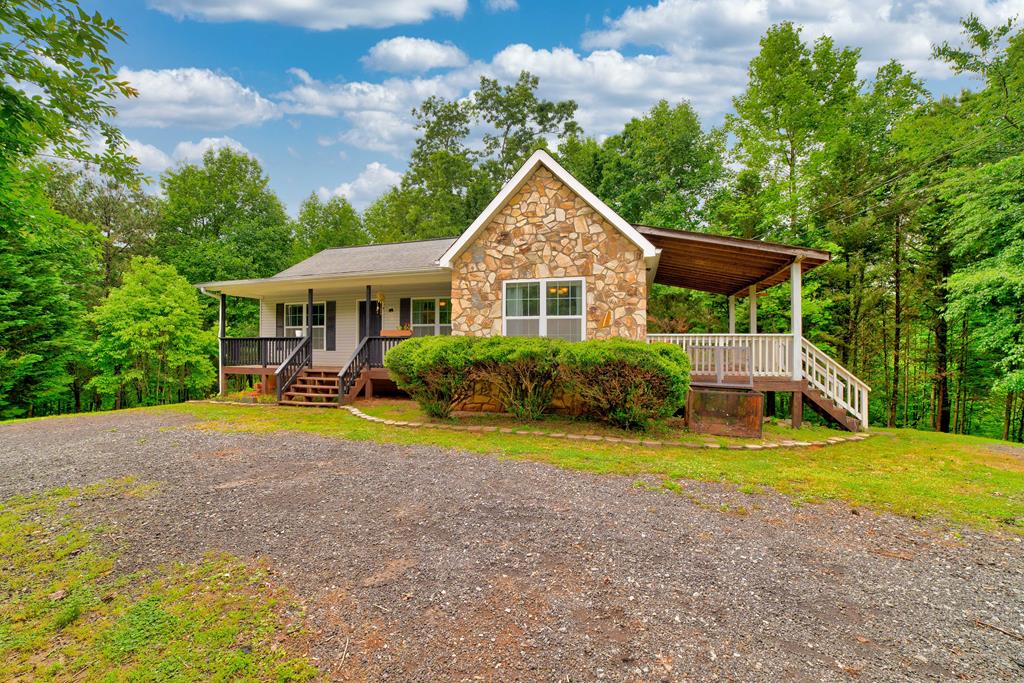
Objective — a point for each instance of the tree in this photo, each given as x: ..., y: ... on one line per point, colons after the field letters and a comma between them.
x: 46, y: 261
x: 662, y: 168
x: 57, y: 96
x: 448, y: 183
x: 126, y: 216
x: 150, y: 344
x: 60, y: 85
x: 794, y: 97
x: 322, y: 225
x: 220, y: 221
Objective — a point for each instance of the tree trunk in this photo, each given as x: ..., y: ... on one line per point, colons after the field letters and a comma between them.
x: 941, y: 420
x: 1008, y: 412
x: 897, y: 256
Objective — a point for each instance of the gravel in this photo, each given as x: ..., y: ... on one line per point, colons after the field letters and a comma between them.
x: 417, y: 563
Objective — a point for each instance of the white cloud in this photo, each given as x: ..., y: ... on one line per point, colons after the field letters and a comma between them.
x: 413, y: 54
x: 375, y: 179
x: 319, y: 15
x: 502, y: 5
x: 192, y: 152
x: 191, y: 97
x: 151, y: 159
x: 700, y: 32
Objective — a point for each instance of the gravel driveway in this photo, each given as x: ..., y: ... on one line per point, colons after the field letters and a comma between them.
x: 418, y: 563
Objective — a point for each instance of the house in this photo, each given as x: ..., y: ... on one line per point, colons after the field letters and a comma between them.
x: 548, y: 258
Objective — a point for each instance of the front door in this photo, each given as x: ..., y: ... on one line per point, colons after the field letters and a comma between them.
x: 375, y: 322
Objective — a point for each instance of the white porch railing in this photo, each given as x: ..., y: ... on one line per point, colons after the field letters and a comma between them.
x: 771, y: 356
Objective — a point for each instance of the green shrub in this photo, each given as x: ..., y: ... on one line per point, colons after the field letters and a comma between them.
x: 522, y: 370
x: 435, y: 371
x: 627, y: 383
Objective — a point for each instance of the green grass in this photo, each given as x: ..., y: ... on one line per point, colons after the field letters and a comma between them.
x: 956, y: 479
x: 67, y: 615
x: 672, y: 429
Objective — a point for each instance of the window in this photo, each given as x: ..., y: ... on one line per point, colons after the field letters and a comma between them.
x: 295, y: 322
x: 545, y: 308
x: 431, y: 317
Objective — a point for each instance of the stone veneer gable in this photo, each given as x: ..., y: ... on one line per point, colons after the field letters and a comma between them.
x: 546, y: 230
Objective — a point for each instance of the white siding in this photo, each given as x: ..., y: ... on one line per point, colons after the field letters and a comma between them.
x: 347, y: 316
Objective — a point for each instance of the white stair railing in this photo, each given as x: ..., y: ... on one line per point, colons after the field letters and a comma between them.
x: 835, y: 382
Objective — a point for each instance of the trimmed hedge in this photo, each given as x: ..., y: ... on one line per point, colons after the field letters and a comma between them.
x: 523, y: 371
x: 433, y: 370
x: 627, y: 383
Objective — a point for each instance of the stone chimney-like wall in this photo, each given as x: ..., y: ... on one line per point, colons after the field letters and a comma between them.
x: 547, y: 231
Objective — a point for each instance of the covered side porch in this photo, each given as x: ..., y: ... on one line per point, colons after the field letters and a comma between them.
x: 787, y: 362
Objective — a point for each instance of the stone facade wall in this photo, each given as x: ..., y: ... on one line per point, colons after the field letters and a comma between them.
x: 546, y: 230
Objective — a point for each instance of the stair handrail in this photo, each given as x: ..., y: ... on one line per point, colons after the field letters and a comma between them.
x: 854, y: 399
x: 296, y: 360
x: 356, y: 364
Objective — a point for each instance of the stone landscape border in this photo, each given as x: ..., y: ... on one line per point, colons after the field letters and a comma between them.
x: 652, y: 443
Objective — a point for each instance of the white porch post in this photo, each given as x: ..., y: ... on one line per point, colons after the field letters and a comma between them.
x: 732, y: 314
x: 752, y: 294
x: 796, y: 318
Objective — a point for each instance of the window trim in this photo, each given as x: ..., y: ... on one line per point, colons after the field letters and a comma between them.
x: 303, y: 305
x: 437, y: 313
x: 543, y: 317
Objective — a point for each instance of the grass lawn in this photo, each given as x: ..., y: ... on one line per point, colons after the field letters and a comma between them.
x: 65, y: 614
x: 958, y: 479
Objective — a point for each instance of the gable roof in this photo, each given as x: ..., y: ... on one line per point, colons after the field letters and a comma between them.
x: 539, y: 158
x: 397, y: 257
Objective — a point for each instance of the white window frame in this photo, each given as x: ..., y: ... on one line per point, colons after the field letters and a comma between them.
x: 437, y: 313
x: 544, y: 317
x: 304, y: 326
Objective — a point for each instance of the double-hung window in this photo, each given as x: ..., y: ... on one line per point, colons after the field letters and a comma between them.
x: 544, y: 308
x: 431, y: 317
x: 295, y: 322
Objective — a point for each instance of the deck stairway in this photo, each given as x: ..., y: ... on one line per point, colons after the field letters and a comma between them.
x: 830, y: 389
x: 313, y: 388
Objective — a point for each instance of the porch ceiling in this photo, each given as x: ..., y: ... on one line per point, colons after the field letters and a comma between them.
x: 725, y: 265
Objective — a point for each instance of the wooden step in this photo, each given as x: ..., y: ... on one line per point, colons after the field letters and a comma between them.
x: 829, y: 409
x: 300, y: 386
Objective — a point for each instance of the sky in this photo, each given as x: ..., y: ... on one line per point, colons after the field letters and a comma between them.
x: 321, y: 91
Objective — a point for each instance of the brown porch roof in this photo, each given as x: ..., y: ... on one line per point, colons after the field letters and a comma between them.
x: 725, y: 265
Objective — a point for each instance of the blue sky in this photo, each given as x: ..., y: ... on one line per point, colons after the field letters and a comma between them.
x: 320, y: 90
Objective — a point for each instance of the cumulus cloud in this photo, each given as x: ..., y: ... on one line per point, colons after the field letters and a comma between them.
x: 319, y: 15
x: 374, y: 180
x: 698, y: 32
x: 413, y: 54
x: 191, y: 152
x: 502, y: 5
x: 152, y: 160
x: 198, y: 98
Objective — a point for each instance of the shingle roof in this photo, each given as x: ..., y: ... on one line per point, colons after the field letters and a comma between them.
x: 391, y: 258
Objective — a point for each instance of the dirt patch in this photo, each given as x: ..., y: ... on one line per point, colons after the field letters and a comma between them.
x: 421, y: 564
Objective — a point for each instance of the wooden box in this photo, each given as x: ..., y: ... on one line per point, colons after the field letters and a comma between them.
x: 725, y: 412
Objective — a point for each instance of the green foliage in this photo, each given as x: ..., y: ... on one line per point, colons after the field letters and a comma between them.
x: 795, y: 97
x: 323, y: 225
x: 220, y: 221
x: 448, y: 183
x: 627, y: 383
x: 523, y: 371
x: 60, y: 85
x: 435, y: 371
x: 151, y: 346
x: 659, y: 170
x: 46, y: 263
x: 68, y: 614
